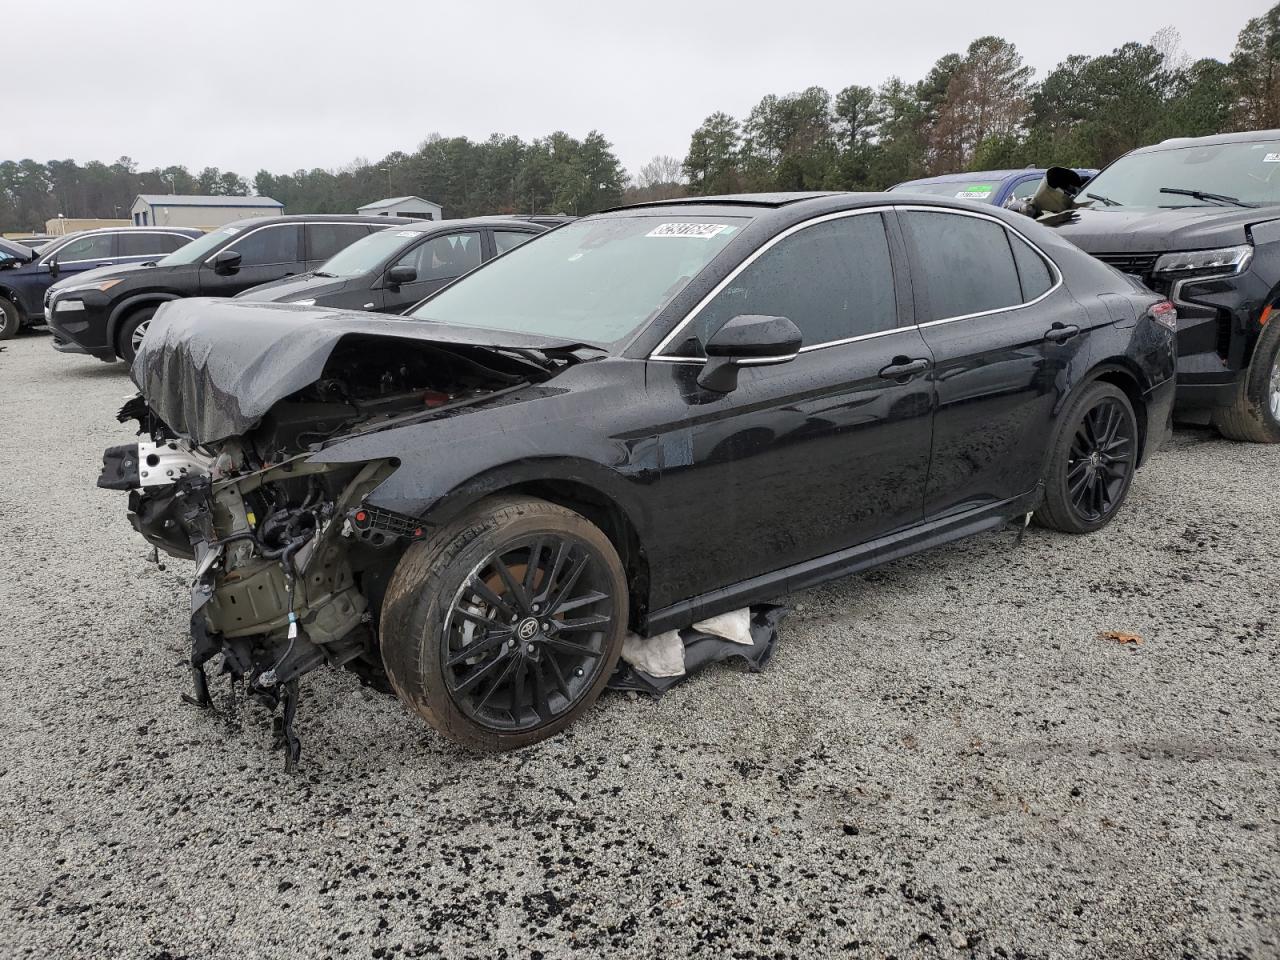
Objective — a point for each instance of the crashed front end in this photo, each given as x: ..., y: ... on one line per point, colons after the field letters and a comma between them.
x: 290, y: 564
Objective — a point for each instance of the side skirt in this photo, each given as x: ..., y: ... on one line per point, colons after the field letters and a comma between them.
x: 894, y: 546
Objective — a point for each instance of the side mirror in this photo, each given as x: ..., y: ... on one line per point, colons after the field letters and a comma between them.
x: 52, y: 264
x: 747, y: 341
x: 226, y: 263
x: 401, y: 274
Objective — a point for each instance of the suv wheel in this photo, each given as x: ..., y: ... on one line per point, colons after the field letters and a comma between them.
x: 10, y: 321
x: 1092, y: 462
x: 1255, y: 414
x: 502, y: 628
x: 134, y: 328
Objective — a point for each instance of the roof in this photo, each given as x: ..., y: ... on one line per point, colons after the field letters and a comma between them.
x: 440, y: 226
x: 738, y: 199
x: 1244, y: 136
x: 987, y: 175
x: 183, y: 200
x: 395, y: 201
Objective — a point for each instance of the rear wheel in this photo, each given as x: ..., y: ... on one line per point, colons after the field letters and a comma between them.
x: 1092, y: 463
x: 134, y: 328
x: 10, y: 321
x: 503, y: 628
x: 1254, y: 415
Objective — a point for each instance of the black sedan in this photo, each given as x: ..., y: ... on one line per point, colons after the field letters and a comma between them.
x: 394, y: 269
x: 642, y: 419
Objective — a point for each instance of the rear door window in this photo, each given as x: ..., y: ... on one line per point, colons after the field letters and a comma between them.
x: 269, y: 245
x: 326, y: 239
x: 506, y: 240
x: 959, y: 265
x: 143, y: 244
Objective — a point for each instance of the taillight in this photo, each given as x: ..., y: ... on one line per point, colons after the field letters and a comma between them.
x: 1165, y: 314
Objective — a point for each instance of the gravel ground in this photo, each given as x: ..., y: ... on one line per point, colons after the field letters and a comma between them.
x: 943, y: 759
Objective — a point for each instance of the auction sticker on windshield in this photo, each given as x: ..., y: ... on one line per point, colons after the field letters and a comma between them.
x: 976, y: 191
x: 701, y: 231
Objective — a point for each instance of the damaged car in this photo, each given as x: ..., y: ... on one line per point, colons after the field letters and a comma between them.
x: 641, y: 420
x: 1197, y: 219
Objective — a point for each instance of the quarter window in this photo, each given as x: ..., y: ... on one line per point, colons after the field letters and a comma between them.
x: 1032, y: 270
x: 96, y: 246
x: 443, y: 258
x: 326, y: 239
x: 269, y: 245
x: 833, y: 280
x: 960, y: 265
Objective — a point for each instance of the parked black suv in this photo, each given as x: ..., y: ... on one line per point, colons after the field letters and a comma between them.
x: 27, y: 273
x: 1198, y: 219
x: 394, y: 269
x: 105, y: 312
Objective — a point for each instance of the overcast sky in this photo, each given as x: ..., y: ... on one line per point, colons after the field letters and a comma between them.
x: 284, y: 84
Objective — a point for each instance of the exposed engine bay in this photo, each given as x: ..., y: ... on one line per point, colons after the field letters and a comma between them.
x: 291, y: 566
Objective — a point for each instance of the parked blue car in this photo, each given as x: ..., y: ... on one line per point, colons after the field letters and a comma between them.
x: 26, y: 274
x: 997, y: 187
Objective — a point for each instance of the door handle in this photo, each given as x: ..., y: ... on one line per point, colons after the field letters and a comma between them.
x: 1061, y: 333
x: 903, y: 369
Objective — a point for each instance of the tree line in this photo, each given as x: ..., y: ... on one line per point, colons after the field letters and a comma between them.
x: 979, y: 109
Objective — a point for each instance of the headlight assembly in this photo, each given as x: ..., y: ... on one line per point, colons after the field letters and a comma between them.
x: 1222, y: 262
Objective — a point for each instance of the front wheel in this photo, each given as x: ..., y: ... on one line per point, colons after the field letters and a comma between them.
x: 503, y: 628
x: 1092, y: 463
x: 10, y: 321
x: 1254, y: 414
x: 134, y: 328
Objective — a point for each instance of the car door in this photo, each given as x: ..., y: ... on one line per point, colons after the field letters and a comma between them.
x: 1005, y: 337
x: 438, y: 260
x: 807, y: 457
x: 266, y: 253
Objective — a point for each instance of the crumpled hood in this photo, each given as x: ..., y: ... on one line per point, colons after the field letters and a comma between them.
x: 1156, y: 229
x: 287, y: 289
x: 211, y: 368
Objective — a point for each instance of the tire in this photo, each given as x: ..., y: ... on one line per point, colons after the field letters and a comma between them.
x: 448, y: 595
x: 1254, y: 415
x: 10, y: 320
x: 1092, y: 462
x: 128, y: 336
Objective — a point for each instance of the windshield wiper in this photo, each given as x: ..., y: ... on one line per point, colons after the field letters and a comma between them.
x: 1204, y: 195
x: 321, y: 273
x: 1106, y: 200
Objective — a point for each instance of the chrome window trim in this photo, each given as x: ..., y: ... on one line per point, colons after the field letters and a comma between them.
x: 294, y: 223
x: 656, y: 353
x: 120, y: 256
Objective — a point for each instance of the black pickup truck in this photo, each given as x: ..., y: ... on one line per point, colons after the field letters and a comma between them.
x: 1198, y: 220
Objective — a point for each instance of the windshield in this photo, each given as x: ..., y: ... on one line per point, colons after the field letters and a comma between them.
x: 979, y: 191
x: 199, y: 248
x: 368, y: 252
x: 593, y: 281
x: 1249, y: 172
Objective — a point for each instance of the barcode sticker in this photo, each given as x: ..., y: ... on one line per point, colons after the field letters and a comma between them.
x: 700, y: 231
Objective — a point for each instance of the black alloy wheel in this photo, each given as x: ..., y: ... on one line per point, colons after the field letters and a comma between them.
x: 1092, y: 461
x: 1101, y: 461
x: 526, y: 634
x: 503, y: 627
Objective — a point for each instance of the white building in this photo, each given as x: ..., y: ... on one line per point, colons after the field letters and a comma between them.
x: 206, y: 213
x: 414, y: 207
